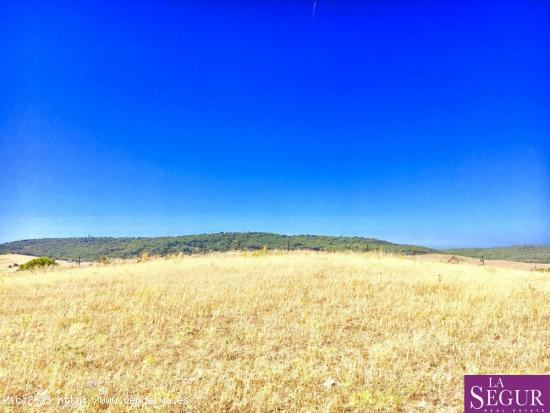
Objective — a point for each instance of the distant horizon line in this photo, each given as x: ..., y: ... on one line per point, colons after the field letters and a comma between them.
x: 280, y: 234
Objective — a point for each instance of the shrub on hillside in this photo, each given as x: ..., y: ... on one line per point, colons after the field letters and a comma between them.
x: 104, y: 260
x: 144, y: 256
x: 37, y: 263
x: 261, y: 252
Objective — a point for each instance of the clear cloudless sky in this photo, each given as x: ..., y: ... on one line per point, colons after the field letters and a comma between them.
x: 419, y: 122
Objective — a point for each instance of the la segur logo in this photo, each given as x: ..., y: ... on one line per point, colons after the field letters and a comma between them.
x: 506, y: 394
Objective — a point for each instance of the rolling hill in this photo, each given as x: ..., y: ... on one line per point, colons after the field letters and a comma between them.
x: 92, y: 248
x: 522, y: 253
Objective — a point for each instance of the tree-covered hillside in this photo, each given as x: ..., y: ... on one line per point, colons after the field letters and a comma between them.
x: 523, y: 253
x: 92, y: 248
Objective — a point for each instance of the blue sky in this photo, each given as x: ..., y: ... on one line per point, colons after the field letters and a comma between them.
x: 418, y: 122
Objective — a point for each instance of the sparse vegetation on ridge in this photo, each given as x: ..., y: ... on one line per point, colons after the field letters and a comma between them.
x: 522, y: 253
x: 92, y: 249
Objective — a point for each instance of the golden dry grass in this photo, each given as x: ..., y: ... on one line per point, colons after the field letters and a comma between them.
x: 516, y: 265
x: 278, y: 332
x: 7, y: 261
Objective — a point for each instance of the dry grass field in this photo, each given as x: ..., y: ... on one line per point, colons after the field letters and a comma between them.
x: 7, y: 261
x: 308, y: 332
x: 516, y: 265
